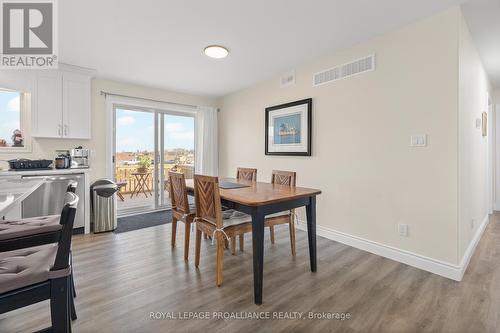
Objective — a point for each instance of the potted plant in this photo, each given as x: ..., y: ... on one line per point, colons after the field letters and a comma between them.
x: 144, y: 164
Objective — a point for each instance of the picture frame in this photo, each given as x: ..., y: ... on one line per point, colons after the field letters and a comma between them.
x: 288, y: 129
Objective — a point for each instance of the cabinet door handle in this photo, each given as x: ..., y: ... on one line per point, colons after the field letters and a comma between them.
x: 59, y: 130
x: 65, y: 130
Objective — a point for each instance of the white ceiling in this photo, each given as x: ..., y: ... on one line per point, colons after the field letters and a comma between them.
x: 160, y: 43
x: 483, y: 19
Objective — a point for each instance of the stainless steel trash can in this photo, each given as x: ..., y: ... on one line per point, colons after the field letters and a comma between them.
x: 104, y: 205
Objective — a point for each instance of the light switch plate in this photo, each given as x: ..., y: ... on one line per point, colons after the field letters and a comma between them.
x: 419, y: 140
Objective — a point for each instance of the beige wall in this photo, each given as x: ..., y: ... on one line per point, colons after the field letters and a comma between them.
x: 44, y: 148
x: 371, y: 179
x: 474, y: 183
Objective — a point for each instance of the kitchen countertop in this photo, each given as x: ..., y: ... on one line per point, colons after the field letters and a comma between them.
x: 16, y: 190
x: 44, y: 172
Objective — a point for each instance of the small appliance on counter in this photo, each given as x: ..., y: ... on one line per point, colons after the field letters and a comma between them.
x: 26, y: 164
x: 63, y: 159
x: 79, y: 157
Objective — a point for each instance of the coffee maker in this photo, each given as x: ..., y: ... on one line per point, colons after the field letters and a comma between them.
x: 79, y: 157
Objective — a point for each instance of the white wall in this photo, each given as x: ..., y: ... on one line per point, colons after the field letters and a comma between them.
x: 45, y: 148
x: 371, y: 179
x: 474, y: 170
x: 496, y: 96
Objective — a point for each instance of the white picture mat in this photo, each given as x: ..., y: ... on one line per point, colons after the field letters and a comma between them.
x: 302, y: 146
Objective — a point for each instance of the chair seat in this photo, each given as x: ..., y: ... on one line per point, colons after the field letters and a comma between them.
x: 233, y: 217
x: 24, y: 267
x: 10, y: 229
x: 285, y: 213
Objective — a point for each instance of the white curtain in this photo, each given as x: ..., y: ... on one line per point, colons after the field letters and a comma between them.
x: 206, y: 153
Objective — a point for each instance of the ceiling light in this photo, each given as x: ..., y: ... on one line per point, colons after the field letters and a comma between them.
x: 216, y: 51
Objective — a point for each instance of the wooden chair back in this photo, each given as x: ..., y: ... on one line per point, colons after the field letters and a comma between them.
x: 178, y: 192
x: 207, y: 199
x: 246, y: 174
x: 283, y: 178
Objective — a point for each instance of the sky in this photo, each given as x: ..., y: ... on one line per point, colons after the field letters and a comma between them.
x: 9, y: 115
x: 135, y: 131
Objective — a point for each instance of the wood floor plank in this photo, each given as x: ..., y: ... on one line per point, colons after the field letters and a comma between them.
x: 121, y: 278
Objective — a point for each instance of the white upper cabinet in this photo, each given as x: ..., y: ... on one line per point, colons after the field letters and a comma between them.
x: 47, y: 116
x: 62, y: 105
x: 76, y: 106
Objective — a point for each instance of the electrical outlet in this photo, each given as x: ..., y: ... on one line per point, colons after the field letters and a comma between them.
x: 403, y: 230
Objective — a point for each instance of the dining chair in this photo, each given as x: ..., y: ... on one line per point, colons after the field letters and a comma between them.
x: 278, y: 177
x: 243, y: 174
x: 34, y: 274
x: 212, y: 220
x: 246, y: 174
x: 181, y: 209
x: 287, y: 178
x: 36, y: 231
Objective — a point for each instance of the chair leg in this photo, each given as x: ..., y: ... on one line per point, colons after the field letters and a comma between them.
x: 220, y: 259
x: 233, y: 245
x: 291, y: 226
x: 197, y: 248
x: 242, y: 242
x: 59, y: 305
x: 271, y: 233
x: 187, y: 234
x: 205, y: 236
x: 73, y: 290
x: 174, y: 230
x: 226, y: 243
x: 72, y: 298
x: 73, y: 309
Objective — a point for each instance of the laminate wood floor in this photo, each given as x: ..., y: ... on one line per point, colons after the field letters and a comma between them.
x: 121, y: 278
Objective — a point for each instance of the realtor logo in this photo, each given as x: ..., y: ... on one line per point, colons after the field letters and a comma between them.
x: 28, y: 34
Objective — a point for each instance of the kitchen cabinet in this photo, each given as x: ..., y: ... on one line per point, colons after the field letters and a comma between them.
x: 62, y: 105
x: 76, y: 106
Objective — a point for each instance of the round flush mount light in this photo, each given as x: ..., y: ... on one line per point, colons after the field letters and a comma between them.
x: 216, y: 51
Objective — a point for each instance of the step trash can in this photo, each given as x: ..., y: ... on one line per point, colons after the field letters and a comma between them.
x: 103, y: 201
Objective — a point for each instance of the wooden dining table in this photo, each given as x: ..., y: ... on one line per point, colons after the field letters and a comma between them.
x: 260, y: 199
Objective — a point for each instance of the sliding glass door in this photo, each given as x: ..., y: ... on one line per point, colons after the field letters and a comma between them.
x: 148, y: 143
x: 177, y: 149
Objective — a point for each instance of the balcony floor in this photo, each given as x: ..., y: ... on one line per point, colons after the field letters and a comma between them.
x: 138, y: 203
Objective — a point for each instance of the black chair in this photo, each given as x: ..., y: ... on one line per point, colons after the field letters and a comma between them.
x: 35, y: 231
x: 35, y: 274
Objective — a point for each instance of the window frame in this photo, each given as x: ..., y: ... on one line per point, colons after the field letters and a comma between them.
x: 25, y: 122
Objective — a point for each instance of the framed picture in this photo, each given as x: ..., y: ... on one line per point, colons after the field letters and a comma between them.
x: 288, y: 128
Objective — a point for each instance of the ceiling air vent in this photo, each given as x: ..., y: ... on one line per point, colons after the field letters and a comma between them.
x: 344, y: 71
x: 287, y: 79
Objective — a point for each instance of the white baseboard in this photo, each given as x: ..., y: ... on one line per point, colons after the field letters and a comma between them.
x: 454, y: 272
x: 464, y: 263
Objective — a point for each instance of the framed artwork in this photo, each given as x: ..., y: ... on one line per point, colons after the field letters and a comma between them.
x: 288, y: 128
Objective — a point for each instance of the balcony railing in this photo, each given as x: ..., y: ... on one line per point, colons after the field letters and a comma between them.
x: 124, y: 173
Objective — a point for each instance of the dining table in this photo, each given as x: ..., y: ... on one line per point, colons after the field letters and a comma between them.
x: 260, y: 199
x: 15, y: 190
